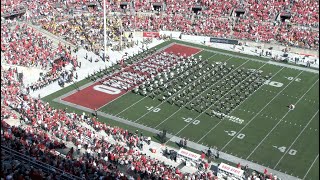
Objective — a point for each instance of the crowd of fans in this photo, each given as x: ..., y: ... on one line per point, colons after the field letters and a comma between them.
x: 258, y: 23
x: 45, y: 130
x: 91, y: 155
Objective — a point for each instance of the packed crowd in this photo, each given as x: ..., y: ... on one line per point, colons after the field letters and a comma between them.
x: 258, y: 23
x: 47, y: 129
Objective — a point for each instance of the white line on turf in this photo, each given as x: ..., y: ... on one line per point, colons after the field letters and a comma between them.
x: 295, y: 140
x: 151, y: 92
x: 310, y: 167
x: 258, y: 113
x: 236, y: 108
x: 281, y: 120
x: 199, y: 95
x: 174, y: 94
x: 217, y: 101
x: 158, y: 51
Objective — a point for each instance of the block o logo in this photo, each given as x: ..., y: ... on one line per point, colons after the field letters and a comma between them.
x: 107, y: 89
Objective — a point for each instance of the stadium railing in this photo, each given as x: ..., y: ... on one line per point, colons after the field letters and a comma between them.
x: 35, y: 163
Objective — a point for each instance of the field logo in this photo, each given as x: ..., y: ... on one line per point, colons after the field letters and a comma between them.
x: 107, y: 89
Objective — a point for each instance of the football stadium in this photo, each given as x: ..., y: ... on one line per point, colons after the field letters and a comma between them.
x: 160, y: 89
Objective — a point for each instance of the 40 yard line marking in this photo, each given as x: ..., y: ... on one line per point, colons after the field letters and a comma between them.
x: 295, y: 140
x: 258, y: 113
x: 280, y: 120
x: 236, y: 108
x: 216, y: 101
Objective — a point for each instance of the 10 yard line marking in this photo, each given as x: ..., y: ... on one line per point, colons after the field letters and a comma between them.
x: 175, y: 93
x: 295, y: 140
x: 280, y: 120
x: 235, y: 109
x: 152, y: 91
x: 258, y: 113
x: 159, y: 51
x: 215, y: 102
x: 311, y: 166
x: 199, y: 95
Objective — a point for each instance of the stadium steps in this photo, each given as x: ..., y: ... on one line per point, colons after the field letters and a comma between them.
x: 53, y: 37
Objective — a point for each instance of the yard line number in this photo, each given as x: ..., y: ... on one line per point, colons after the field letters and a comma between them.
x: 189, y: 120
x: 282, y: 149
x: 292, y: 78
x: 233, y: 133
x: 153, y: 109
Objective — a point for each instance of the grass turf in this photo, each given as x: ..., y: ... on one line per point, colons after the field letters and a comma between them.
x: 268, y: 127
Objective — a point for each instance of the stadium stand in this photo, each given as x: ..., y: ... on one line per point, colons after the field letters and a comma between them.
x: 44, y: 129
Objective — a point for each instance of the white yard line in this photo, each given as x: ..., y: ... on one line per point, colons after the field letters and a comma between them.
x: 158, y: 51
x: 152, y: 91
x: 311, y: 167
x: 199, y: 94
x: 216, y: 101
x: 259, y: 112
x: 175, y: 93
x: 295, y: 140
x: 280, y: 120
x: 236, y: 108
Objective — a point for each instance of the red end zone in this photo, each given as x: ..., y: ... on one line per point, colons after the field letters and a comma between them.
x: 97, y: 95
x: 92, y: 98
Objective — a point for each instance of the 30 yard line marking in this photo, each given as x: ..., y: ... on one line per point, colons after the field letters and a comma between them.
x: 199, y: 95
x: 295, y: 140
x: 152, y: 91
x: 258, y: 113
x: 280, y: 120
x: 310, y: 167
x: 216, y: 101
x: 236, y: 108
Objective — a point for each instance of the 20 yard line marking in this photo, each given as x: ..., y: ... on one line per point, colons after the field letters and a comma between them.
x: 198, y: 95
x: 295, y: 139
x: 310, y: 167
x: 175, y: 94
x: 216, y: 101
x: 280, y: 120
x: 236, y: 108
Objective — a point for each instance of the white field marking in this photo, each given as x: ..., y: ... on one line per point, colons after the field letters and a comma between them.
x: 177, y: 93
x: 159, y: 51
x: 310, y: 167
x: 217, y: 101
x: 295, y: 139
x: 152, y: 91
x: 199, y: 95
x: 281, y: 120
x: 237, y: 107
x: 279, y: 93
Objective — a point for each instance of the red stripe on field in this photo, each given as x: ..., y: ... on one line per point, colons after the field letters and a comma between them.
x: 183, y: 50
x: 90, y: 98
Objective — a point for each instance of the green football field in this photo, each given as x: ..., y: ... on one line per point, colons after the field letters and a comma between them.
x: 260, y: 129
